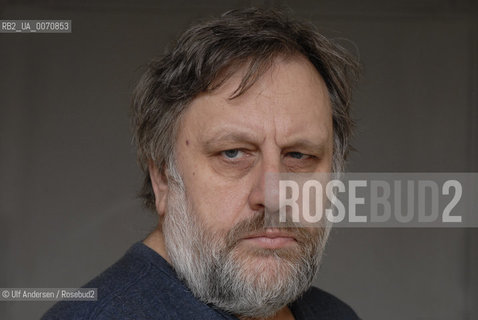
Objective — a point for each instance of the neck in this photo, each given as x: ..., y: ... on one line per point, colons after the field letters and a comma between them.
x: 155, y: 240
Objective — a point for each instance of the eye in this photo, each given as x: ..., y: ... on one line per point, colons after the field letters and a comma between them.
x: 232, y: 153
x: 297, y: 155
x: 300, y: 162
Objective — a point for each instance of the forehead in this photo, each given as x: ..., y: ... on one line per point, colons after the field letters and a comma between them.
x: 289, y: 100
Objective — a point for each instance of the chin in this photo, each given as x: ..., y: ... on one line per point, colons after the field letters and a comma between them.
x: 267, y: 262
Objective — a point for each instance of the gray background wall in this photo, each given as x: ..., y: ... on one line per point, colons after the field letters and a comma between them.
x: 68, y: 175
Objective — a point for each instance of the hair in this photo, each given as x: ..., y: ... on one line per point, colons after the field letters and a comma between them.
x: 205, y: 56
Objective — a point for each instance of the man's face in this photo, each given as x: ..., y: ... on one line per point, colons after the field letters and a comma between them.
x: 224, y: 149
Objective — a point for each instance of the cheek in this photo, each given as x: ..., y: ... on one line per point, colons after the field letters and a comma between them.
x: 326, y: 165
x: 219, y: 204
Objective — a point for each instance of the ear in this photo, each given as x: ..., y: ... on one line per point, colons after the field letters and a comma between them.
x: 160, y: 187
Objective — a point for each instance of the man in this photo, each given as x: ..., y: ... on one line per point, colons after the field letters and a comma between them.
x: 239, y: 97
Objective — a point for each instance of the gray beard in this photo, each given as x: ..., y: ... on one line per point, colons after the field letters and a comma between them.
x: 254, y: 283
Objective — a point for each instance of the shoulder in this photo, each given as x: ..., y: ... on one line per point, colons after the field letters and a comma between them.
x: 316, y: 303
x: 120, y: 288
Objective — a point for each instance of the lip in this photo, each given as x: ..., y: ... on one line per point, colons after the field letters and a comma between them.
x: 270, y: 239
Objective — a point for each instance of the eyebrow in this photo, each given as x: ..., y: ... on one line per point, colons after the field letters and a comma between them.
x: 214, y: 141
x: 317, y: 147
x: 228, y: 137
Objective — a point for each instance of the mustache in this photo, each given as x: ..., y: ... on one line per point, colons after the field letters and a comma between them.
x: 257, y: 224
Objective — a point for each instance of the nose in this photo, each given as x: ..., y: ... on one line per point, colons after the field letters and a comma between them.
x: 264, y: 193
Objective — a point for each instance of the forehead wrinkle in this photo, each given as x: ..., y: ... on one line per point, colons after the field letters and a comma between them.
x: 275, y: 123
x: 316, y: 134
